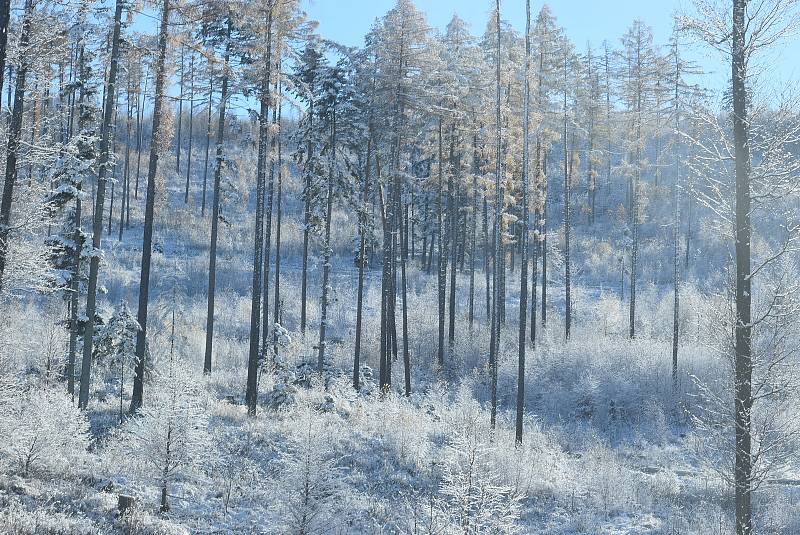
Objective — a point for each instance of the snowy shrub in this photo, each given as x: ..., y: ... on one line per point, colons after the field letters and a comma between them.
x: 475, y: 497
x: 168, y: 438
x: 43, y: 430
x: 311, y: 483
x: 17, y: 520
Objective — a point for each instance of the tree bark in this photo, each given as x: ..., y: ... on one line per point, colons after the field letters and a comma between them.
x: 523, y: 276
x: 97, y: 224
x: 743, y: 365
x: 212, y: 260
x: 14, y: 135
x: 326, y: 263
x: 251, y: 395
x: 149, y: 215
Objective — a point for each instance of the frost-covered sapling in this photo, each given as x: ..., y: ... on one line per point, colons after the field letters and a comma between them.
x: 168, y: 437
x: 310, y: 480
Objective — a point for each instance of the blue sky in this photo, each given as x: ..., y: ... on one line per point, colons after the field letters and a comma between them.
x: 347, y: 21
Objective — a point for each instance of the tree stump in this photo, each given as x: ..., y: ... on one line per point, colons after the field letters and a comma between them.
x: 125, y: 502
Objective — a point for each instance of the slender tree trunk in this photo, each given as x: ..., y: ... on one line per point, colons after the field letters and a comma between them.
x: 442, y: 258
x: 326, y: 263
x: 5, y: 18
x: 473, y: 232
x: 498, y: 238
x: 278, y: 218
x: 523, y: 276
x: 209, y: 133
x: 180, y: 114
x: 125, y: 169
x: 212, y: 260
x: 452, y: 216
x: 676, y: 228
x: 306, y: 225
x: 14, y: 136
x: 97, y: 224
x: 191, y: 129
x: 743, y: 365
x: 544, y: 245
x: 265, y: 323
x: 140, y: 105
x: 115, y: 167
x: 536, y: 242
x: 361, y: 264
x: 251, y: 395
x: 149, y: 215
x: 404, y: 290
x: 567, y: 248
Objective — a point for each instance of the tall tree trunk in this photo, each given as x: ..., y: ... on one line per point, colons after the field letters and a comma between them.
x: 544, y: 242
x: 5, y: 19
x: 180, y: 114
x: 212, y: 259
x: 453, y: 248
x: 191, y: 129
x: 327, y: 253
x: 523, y: 276
x: 743, y: 365
x: 251, y: 395
x: 362, y: 260
x: 149, y: 211
x: 140, y: 106
x: 127, y: 165
x: 535, y: 246
x: 265, y: 323
x: 567, y: 234
x: 676, y: 226
x: 404, y: 291
x: 473, y: 232
x: 494, y: 349
x: 278, y: 218
x: 209, y: 133
x: 97, y: 223
x: 14, y: 136
x: 306, y: 225
x: 442, y: 254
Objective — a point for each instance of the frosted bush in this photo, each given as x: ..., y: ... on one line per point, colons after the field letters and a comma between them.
x: 43, y: 430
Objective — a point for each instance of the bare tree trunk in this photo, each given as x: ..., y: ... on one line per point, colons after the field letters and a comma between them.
x: 212, y: 260
x: 14, y: 135
x: 326, y: 263
x: 453, y: 236
x: 278, y: 217
x: 97, y: 224
x: 676, y: 229
x: 251, y: 395
x: 147, y: 241
x: 442, y: 258
x: 5, y: 18
x: 567, y: 194
x: 473, y: 232
x: 265, y: 323
x: 361, y: 264
x: 743, y: 365
x: 140, y: 105
x: 208, y: 136
x: 523, y: 276
x: 498, y: 237
x: 191, y: 129
x: 126, y: 187
x: 544, y: 242
x: 306, y: 228
x: 180, y: 114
